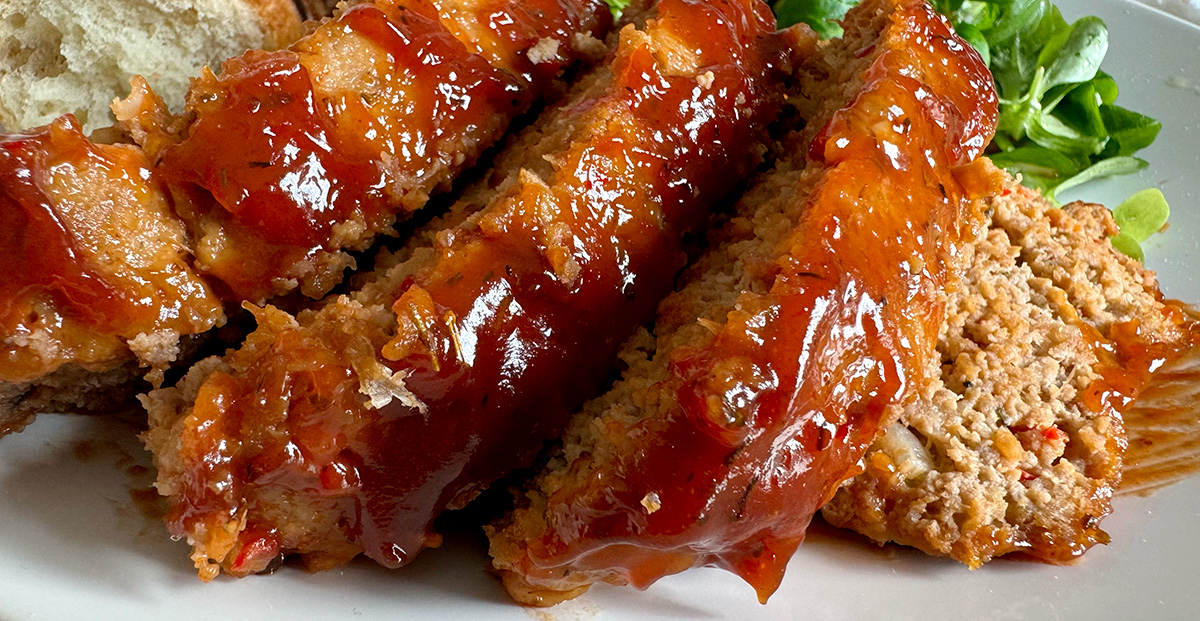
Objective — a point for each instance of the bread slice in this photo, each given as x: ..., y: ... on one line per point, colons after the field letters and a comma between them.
x: 1016, y: 448
x: 75, y: 56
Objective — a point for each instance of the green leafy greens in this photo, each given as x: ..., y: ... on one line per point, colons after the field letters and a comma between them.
x: 616, y: 6
x: 1059, y: 123
x: 820, y: 15
x: 1139, y: 217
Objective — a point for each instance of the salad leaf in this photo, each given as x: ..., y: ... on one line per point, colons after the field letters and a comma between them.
x: 820, y: 15
x: 1127, y: 246
x: 1142, y: 214
x: 1039, y: 167
x: 1053, y: 93
x: 616, y: 6
x: 1111, y: 167
x: 1073, y: 55
x: 1059, y: 123
x: 1128, y: 131
x: 1139, y: 217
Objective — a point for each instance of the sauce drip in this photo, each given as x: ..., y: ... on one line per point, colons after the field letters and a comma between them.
x: 780, y: 404
x: 1163, y: 424
x: 504, y: 332
x: 523, y: 350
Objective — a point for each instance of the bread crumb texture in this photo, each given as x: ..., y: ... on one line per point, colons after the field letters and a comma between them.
x: 76, y: 56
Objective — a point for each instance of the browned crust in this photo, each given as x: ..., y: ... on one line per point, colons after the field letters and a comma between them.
x: 70, y: 388
x: 73, y: 388
x: 317, y: 9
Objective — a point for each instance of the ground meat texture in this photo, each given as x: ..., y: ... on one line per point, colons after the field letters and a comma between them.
x: 771, y: 369
x: 1016, y: 444
x: 278, y: 168
x: 349, y: 429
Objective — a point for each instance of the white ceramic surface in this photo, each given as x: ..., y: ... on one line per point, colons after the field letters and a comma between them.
x: 1187, y: 9
x: 74, y: 545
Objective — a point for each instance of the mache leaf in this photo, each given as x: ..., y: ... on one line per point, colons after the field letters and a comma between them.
x: 1080, y: 109
x: 1127, y: 246
x: 616, y: 6
x: 1130, y: 131
x: 1039, y: 167
x: 1142, y: 214
x: 1106, y: 87
x: 1048, y: 130
x: 1073, y: 55
x: 1138, y: 217
x: 820, y: 15
x: 1111, y: 167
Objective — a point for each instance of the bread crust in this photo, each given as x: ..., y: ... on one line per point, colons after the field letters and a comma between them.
x: 280, y: 21
x: 58, y: 58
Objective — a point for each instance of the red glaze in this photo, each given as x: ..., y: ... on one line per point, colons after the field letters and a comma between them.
x: 1128, y: 357
x: 778, y: 406
x: 38, y: 253
x: 356, y: 124
x: 90, y: 255
x: 1163, y: 425
x: 507, y: 330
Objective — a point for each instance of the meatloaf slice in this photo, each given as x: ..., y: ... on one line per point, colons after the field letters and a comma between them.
x: 1017, y: 444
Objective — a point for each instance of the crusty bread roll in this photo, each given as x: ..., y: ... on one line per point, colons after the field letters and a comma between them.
x: 60, y: 56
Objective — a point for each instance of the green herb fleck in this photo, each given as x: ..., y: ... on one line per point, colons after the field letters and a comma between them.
x: 616, y: 6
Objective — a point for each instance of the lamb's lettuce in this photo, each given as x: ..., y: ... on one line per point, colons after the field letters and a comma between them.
x: 1059, y: 123
x: 1139, y: 217
x: 616, y: 6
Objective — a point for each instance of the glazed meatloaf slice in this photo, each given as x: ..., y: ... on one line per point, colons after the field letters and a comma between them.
x: 774, y: 364
x: 1017, y: 444
x: 94, y: 276
x: 113, y: 255
x: 348, y: 429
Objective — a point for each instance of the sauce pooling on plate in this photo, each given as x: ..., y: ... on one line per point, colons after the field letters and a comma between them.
x: 1163, y: 423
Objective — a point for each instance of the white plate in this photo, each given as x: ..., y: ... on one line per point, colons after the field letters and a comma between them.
x: 74, y: 545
